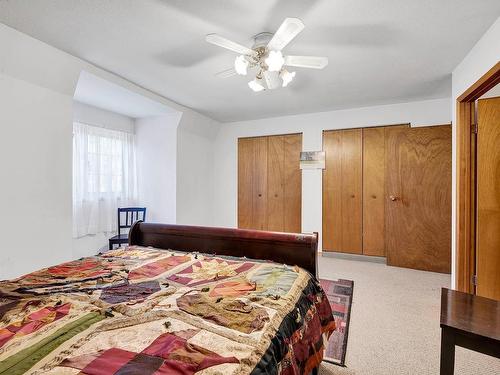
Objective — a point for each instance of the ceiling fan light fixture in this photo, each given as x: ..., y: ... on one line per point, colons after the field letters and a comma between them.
x: 274, y: 61
x: 286, y: 77
x: 256, y: 85
x: 241, y: 65
x: 267, y: 58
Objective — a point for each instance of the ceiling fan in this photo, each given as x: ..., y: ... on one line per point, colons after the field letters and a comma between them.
x: 266, y: 57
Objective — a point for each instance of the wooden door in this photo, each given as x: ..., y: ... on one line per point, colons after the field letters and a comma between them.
x: 260, y: 190
x: 270, y: 183
x: 332, y: 188
x: 342, y: 191
x: 245, y: 182
x: 418, y: 198
x: 374, y: 191
x: 275, y: 183
x: 292, y: 184
x: 488, y: 198
x: 252, y: 183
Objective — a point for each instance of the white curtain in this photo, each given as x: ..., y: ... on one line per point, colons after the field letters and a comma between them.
x: 104, y: 178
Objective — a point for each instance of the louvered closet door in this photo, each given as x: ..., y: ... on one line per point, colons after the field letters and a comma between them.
x: 342, y: 191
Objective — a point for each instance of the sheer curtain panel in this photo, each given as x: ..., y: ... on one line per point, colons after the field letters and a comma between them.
x: 104, y: 177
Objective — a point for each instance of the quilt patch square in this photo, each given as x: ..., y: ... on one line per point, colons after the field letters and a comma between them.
x: 33, y: 322
x: 205, y: 271
x: 169, y: 353
x: 130, y: 292
x: 141, y: 364
x: 235, y: 288
x: 157, y: 267
x: 273, y: 280
x: 109, y: 362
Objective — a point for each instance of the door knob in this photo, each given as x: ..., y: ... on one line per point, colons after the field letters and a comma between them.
x: 393, y: 198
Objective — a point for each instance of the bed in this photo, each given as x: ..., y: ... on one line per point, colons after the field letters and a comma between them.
x: 177, y: 300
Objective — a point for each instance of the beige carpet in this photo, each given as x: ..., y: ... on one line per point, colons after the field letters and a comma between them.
x: 395, y: 322
x: 329, y: 369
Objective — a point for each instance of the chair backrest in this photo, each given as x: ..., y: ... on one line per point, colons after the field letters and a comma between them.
x: 130, y: 216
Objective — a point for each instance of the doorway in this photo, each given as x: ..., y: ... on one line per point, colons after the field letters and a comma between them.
x: 478, y: 181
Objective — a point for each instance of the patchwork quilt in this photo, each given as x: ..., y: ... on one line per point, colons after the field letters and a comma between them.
x: 139, y: 310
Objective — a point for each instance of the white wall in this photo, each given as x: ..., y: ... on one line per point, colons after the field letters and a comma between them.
x: 481, y: 58
x: 432, y: 112
x: 91, y: 115
x: 35, y: 187
x: 195, y: 169
x: 156, y: 139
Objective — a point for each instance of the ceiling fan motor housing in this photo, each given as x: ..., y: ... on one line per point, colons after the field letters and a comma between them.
x: 261, y: 40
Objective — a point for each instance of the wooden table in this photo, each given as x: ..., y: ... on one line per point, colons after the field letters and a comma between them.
x: 469, y: 321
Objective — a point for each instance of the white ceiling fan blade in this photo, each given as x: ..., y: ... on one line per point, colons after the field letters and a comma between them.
x: 228, y: 44
x: 313, y: 62
x: 272, y: 80
x: 226, y: 73
x: 288, y: 30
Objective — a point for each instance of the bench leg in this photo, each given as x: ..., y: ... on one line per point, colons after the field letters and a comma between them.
x: 447, y: 366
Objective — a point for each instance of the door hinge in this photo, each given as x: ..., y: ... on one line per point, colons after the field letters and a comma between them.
x: 474, y: 280
x: 474, y: 128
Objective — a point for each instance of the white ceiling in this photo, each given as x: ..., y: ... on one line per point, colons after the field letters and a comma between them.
x: 100, y: 93
x: 380, y: 51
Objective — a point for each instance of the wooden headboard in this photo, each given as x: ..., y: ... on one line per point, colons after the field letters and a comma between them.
x: 288, y: 248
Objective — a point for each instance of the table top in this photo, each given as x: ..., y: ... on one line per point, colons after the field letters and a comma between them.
x: 470, y: 314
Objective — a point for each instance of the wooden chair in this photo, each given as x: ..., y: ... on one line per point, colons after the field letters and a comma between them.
x: 132, y: 214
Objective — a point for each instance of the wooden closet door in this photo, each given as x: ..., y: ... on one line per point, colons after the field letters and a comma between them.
x: 374, y: 191
x: 488, y: 198
x: 260, y: 190
x: 418, y: 198
x: 270, y: 183
x: 292, y: 184
x: 352, y: 193
x: 342, y: 183
x: 252, y: 183
x: 332, y: 188
x: 276, y: 183
x: 245, y: 182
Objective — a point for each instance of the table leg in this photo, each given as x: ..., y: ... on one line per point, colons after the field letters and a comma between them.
x: 447, y: 352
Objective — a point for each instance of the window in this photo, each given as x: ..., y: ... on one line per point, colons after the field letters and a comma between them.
x: 104, y: 177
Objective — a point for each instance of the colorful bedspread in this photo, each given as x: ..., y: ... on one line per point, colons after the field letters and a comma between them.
x: 146, y: 311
